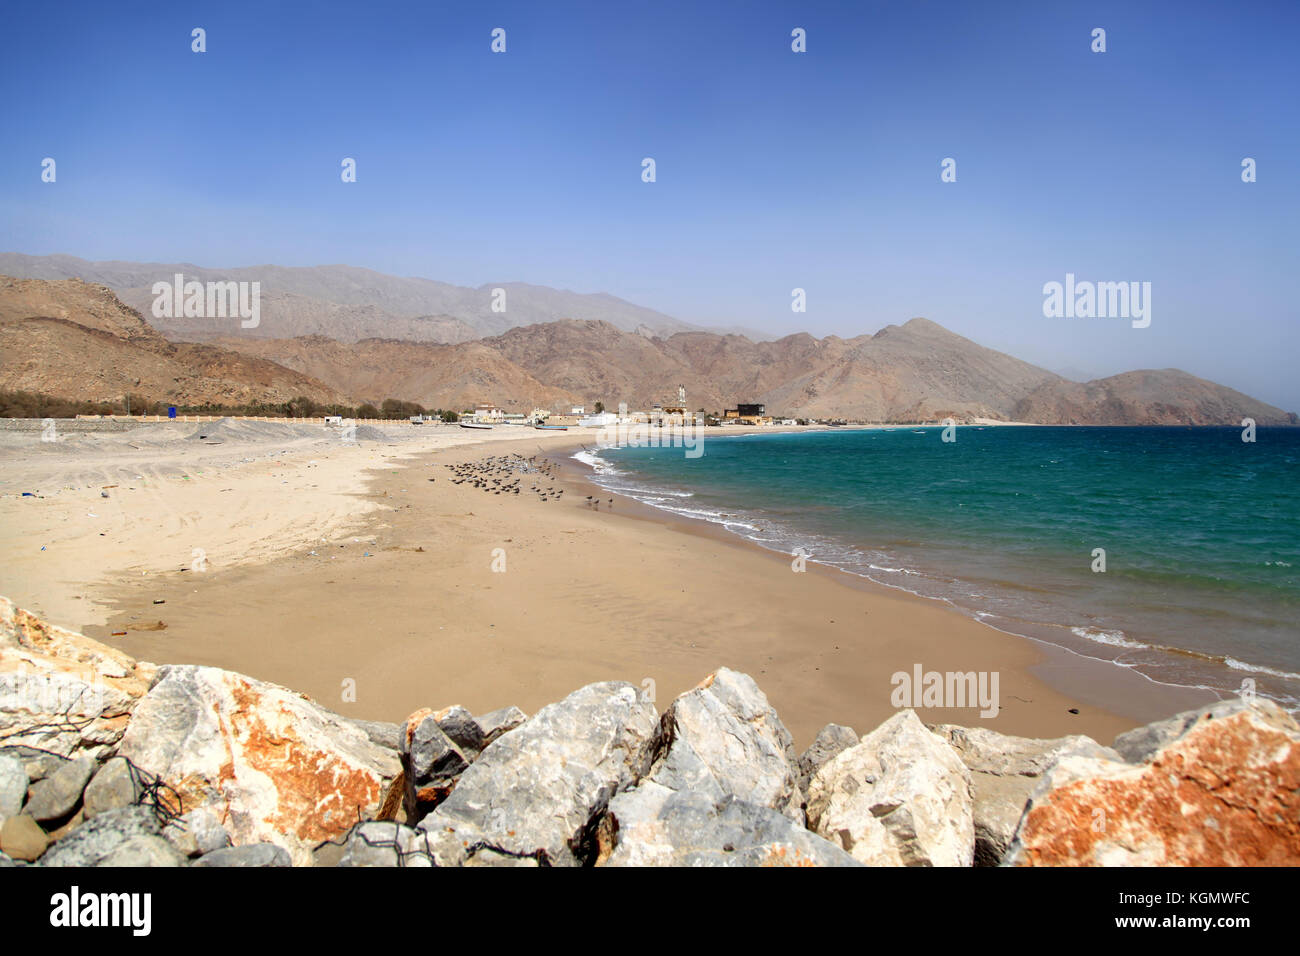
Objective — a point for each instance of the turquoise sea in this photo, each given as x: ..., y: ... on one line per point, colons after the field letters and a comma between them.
x: 1201, y: 531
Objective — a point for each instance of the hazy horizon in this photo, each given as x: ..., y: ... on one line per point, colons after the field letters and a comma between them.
x: 774, y: 169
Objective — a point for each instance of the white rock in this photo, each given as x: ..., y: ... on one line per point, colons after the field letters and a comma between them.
x: 901, y: 797
x: 722, y: 738
x: 275, y: 766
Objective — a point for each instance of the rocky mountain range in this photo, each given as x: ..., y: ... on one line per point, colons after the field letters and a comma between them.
x: 70, y: 339
x: 78, y: 340
x: 348, y: 303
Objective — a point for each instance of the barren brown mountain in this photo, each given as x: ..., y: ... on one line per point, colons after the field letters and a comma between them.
x: 289, y: 315
x: 1154, y: 397
x: 76, y: 340
x: 436, y: 376
x: 349, y: 303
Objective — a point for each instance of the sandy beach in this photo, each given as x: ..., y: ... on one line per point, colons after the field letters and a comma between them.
x: 364, y: 576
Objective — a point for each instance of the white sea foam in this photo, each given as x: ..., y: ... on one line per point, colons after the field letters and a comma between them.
x: 877, y: 567
x: 595, y: 463
x: 1259, y: 669
x: 1112, y: 638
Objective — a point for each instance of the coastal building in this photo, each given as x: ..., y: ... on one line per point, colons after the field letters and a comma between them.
x: 747, y: 414
x: 488, y: 413
x: 673, y: 413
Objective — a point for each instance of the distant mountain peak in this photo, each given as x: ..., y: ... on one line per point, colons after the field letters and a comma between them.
x: 77, y: 339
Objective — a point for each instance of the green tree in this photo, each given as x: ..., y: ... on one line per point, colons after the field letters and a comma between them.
x: 302, y: 407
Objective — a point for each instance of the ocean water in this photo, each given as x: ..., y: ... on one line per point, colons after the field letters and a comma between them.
x: 1201, y: 531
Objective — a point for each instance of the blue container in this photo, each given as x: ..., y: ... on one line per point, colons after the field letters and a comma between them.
x: 171, y: 411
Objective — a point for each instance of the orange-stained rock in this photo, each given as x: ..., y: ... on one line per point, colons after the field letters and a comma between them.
x: 275, y: 766
x: 61, y: 691
x: 1224, y: 792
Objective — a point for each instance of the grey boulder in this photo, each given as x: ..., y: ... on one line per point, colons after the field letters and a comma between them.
x: 115, y: 785
x: 144, y: 850
x: 722, y: 738
x: 95, y: 839
x: 37, y: 763
x: 253, y: 854
x: 538, y: 790
x: 197, y: 832
x: 56, y: 796
x: 382, y: 733
x: 498, y: 722
x: 831, y: 740
x: 654, y: 826
x: 489, y: 857
x: 431, y: 763
x: 463, y: 730
x: 13, y: 786
x: 384, y: 844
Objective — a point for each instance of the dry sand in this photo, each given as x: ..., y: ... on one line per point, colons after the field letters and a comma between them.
x: 345, y: 571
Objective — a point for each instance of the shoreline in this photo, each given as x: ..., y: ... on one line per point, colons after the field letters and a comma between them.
x: 1098, y: 681
x: 1207, y: 673
x: 413, y: 606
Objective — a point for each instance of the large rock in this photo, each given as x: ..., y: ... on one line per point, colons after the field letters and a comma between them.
x: 144, y: 851
x: 654, y: 826
x: 462, y: 729
x: 250, y: 855
x: 490, y: 857
x: 1142, y: 743
x: 722, y: 738
x: 13, y: 786
x: 539, y: 790
x: 22, y: 838
x: 1004, y: 770
x: 901, y: 797
x: 382, y: 733
x: 384, y: 844
x: 497, y: 722
x: 274, y: 765
x: 831, y: 741
x: 37, y: 763
x: 431, y: 763
x: 96, y: 839
x: 62, y: 692
x: 1221, y: 790
x: 197, y: 832
x: 57, y: 795
x: 114, y: 785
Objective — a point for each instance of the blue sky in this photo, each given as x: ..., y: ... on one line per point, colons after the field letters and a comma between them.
x: 775, y: 169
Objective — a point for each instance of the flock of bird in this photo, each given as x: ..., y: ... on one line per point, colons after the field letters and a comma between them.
x: 505, y: 475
